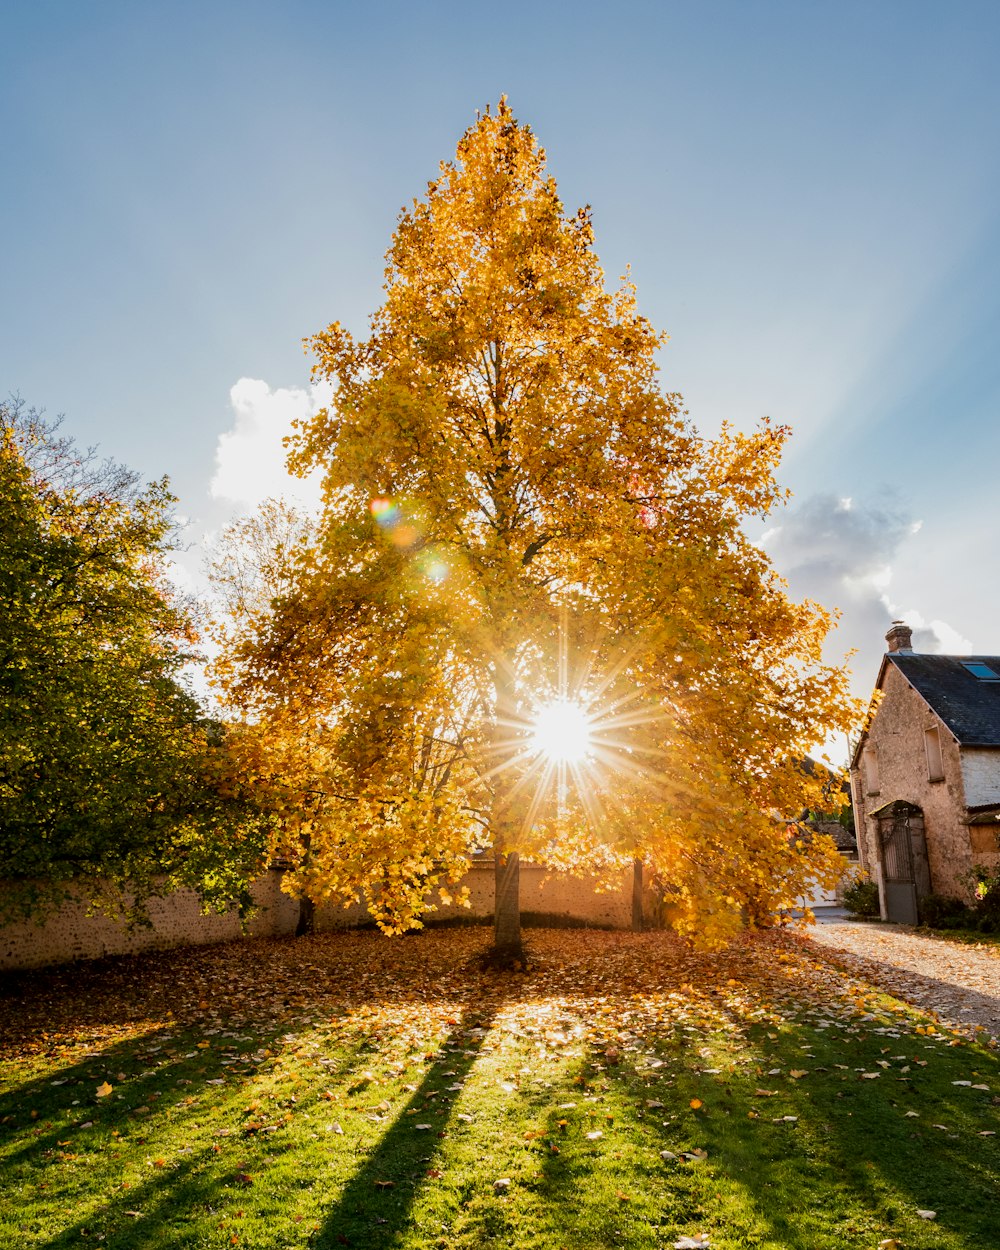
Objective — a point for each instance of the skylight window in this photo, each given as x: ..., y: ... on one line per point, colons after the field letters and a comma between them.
x: 978, y: 669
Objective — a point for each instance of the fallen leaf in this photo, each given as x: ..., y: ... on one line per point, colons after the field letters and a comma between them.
x: 593, y: 1136
x: 927, y: 1215
x: 797, y: 1073
x: 104, y: 1090
x: 695, y: 1103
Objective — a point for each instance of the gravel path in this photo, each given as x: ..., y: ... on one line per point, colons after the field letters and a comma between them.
x: 959, y: 984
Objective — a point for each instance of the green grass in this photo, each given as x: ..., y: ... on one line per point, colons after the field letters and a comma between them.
x: 355, y: 1091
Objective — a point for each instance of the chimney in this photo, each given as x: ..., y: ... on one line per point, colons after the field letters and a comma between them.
x: 900, y: 637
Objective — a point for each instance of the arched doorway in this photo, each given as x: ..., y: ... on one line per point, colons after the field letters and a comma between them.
x: 903, y: 856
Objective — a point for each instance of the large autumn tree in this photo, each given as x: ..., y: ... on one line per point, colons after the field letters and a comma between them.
x: 110, y: 775
x: 518, y: 523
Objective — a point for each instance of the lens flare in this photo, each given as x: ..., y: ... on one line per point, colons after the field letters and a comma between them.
x: 384, y: 511
x: 561, y: 731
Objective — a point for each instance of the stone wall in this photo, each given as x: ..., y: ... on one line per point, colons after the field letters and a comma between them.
x: 550, y: 893
x: 177, y: 920
x: 71, y: 933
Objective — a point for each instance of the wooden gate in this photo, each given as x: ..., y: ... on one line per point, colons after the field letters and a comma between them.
x: 903, y: 854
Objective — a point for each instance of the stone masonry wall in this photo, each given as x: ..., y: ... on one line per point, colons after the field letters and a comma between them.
x: 177, y: 920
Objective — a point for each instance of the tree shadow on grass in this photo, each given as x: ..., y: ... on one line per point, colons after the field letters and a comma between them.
x: 828, y: 1160
x: 213, y: 1180
x: 54, y: 1126
x: 375, y: 1208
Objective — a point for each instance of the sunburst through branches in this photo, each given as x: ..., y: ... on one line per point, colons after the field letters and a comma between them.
x: 561, y: 731
x: 580, y: 743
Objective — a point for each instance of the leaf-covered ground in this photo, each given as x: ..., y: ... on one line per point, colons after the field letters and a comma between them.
x: 958, y: 980
x: 350, y: 1090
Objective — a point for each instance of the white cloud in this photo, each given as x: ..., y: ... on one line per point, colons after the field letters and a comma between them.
x: 842, y: 555
x: 250, y: 457
x: 934, y: 635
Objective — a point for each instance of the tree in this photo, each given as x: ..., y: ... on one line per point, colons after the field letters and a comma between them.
x: 515, y: 516
x: 109, y: 773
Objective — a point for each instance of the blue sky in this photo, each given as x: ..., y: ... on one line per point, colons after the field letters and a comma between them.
x: 807, y: 194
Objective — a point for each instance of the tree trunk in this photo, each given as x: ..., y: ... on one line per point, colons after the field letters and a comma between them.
x: 307, y: 909
x: 508, y: 811
x: 307, y: 917
x: 507, y: 904
x: 637, y: 895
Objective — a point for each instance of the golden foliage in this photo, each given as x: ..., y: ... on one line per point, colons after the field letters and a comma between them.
x: 514, y: 510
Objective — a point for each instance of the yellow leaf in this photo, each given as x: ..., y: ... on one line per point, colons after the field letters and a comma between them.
x: 104, y: 1090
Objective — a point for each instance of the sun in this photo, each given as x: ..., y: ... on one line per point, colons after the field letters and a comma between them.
x: 561, y: 731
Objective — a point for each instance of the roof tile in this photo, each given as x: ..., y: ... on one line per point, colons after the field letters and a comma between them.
x: 969, y: 706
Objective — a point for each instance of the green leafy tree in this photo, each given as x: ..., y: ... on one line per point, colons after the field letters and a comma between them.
x: 529, y: 618
x: 109, y: 773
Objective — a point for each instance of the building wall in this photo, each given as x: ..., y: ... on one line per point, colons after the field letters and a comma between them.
x: 70, y: 933
x: 981, y: 774
x: 896, y: 734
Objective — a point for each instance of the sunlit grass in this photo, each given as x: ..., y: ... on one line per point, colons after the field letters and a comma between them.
x: 355, y: 1091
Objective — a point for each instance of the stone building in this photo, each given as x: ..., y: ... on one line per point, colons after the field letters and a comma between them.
x: 925, y: 775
